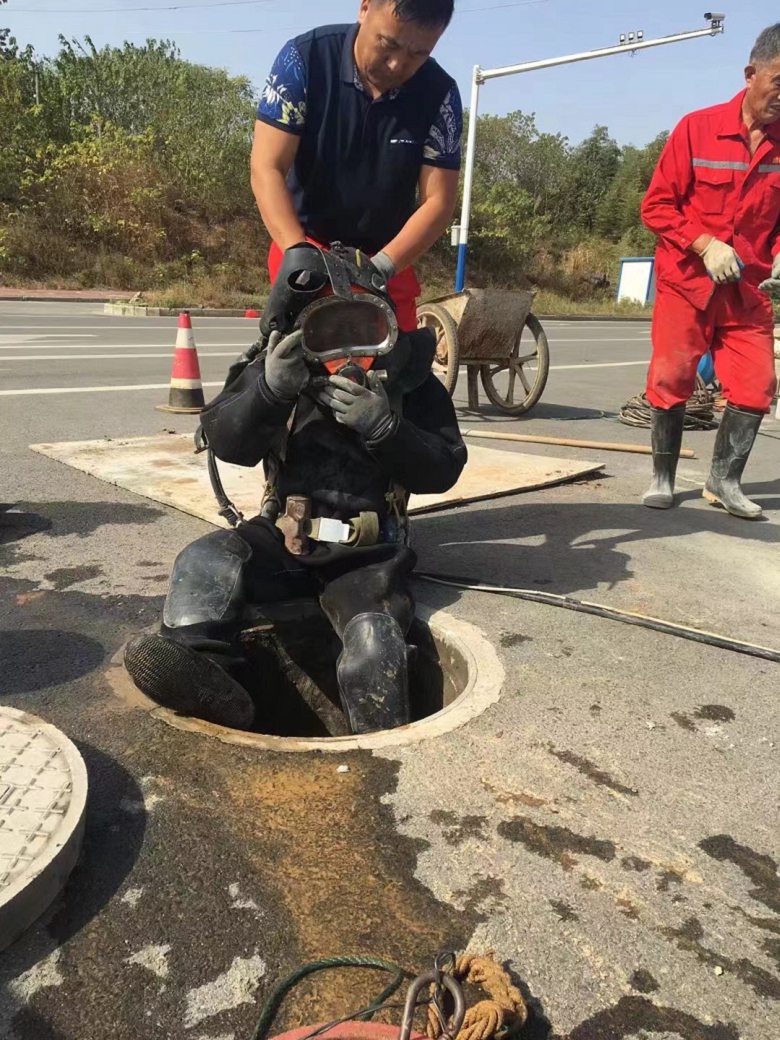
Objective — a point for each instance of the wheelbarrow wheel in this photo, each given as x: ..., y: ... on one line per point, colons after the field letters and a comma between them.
x: 515, y: 385
x: 447, y: 358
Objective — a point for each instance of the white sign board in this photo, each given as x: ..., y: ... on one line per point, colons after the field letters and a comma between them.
x: 637, y: 279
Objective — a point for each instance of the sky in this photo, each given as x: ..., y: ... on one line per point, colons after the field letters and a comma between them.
x: 636, y: 97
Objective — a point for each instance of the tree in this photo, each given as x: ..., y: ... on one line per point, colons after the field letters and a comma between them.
x: 7, y: 42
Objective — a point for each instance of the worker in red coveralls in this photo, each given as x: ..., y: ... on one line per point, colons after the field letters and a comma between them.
x: 714, y: 202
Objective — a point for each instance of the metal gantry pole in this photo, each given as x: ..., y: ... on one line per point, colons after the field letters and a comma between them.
x: 481, y: 76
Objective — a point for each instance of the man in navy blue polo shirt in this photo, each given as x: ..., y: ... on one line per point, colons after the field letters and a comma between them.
x: 357, y: 140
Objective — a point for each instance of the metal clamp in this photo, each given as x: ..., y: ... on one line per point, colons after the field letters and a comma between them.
x: 434, y: 978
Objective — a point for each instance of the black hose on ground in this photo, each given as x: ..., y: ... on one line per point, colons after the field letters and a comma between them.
x: 274, y: 1001
x: 628, y: 617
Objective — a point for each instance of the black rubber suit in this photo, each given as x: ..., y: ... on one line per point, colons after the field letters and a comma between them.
x: 364, y: 591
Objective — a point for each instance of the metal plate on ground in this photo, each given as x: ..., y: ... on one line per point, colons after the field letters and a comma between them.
x: 165, y: 469
x: 43, y: 794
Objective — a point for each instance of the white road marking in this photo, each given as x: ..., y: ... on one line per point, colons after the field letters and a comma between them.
x: 102, y: 346
x: 34, y: 391
x: 106, y: 357
x: 91, y: 389
x: 600, y: 364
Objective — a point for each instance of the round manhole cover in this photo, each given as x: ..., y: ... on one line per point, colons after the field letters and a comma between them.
x: 43, y: 793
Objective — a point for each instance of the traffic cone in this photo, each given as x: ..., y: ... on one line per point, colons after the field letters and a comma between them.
x: 186, y: 393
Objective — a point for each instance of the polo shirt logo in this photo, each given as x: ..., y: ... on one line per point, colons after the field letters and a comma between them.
x: 402, y: 140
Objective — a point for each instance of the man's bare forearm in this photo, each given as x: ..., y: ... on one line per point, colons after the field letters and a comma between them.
x: 425, y: 226
x: 276, y: 207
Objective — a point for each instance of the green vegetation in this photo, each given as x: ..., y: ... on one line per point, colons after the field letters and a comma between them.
x: 127, y: 167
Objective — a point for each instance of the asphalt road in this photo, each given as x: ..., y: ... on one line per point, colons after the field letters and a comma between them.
x: 609, y: 828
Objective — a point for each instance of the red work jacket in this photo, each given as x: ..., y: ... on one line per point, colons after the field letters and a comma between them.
x: 706, y: 182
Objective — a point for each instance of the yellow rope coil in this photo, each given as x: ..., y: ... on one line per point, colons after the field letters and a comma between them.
x: 505, y: 1008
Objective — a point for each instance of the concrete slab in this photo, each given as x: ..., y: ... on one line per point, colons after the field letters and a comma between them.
x: 165, y: 469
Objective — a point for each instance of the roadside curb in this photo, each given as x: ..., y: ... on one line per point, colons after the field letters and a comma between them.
x: 133, y: 310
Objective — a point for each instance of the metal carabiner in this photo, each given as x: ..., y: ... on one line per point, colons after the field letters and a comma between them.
x: 431, y: 978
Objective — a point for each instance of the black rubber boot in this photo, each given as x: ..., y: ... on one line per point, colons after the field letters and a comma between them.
x: 666, y: 438
x: 373, y: 674
x: 189, y: 681
x: 735, y: 440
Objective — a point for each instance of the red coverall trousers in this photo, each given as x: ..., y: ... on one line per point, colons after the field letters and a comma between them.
x: 708, y: 182
x: 740, y: 338
x: 403, y: 289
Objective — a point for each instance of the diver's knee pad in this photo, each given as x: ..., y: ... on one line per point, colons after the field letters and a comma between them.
x: 207, y: 581
x: 373, y: 673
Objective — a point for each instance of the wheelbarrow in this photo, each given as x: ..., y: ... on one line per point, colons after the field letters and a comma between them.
x: 493, y: 333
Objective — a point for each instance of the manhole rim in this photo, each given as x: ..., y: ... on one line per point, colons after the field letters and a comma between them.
x: 40, y: 888
x: 483, y: 688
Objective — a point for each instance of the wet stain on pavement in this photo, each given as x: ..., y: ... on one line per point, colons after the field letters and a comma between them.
x: 510, y: 639
x: 715, y: 713
x: 760, y: 869
x: 683, y: 721
x: 484, y: 895
x: 688, y: 938
x: 457, y: 829
x: 563, y: 911
x: 627, y: 908
x: 344, y: 874
x: 667, y: 878
x: 591, y: 771
x: 64, y: 577
x: 643, y: 982
x: 771, y: 948
x: 632, y: 1014
x: 635, y: 863
x: 555, y: 843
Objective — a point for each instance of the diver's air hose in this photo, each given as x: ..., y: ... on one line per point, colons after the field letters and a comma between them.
x: 628, y: 617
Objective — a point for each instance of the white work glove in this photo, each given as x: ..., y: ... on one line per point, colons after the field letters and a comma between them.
x: 772, y: 284
x: 722, y: 262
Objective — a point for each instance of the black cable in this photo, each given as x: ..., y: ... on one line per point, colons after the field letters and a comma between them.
x: 628, y: 617
x: 274, y: 1001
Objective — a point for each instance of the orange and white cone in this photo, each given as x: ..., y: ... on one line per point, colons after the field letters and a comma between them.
x: 186, y: 392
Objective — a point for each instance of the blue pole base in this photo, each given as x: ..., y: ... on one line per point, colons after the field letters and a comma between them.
x: 460, y: 276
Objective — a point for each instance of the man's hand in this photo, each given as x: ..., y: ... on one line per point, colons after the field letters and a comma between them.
x: 286, y: 373
x: 364, y: 409
x: 722, y: 262
x: 772, y: 284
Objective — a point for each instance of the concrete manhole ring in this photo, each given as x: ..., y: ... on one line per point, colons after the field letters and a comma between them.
x: 43, y: 796
x: 462, y: 647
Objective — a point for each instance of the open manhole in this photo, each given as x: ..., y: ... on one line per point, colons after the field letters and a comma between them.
x: 455, y: 676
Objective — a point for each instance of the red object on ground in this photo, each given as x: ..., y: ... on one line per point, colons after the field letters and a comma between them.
x: 249, y: 313
x: 707, y: 183
x: 403, y: 288
x: 350, y: 1031
x: 740, y: 338
x: 186, y: 392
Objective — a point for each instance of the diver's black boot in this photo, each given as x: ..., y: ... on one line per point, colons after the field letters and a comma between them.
x: 735, y: 440
x: 189, y: 681
x: 666, y: 438
x: 373, y: 673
